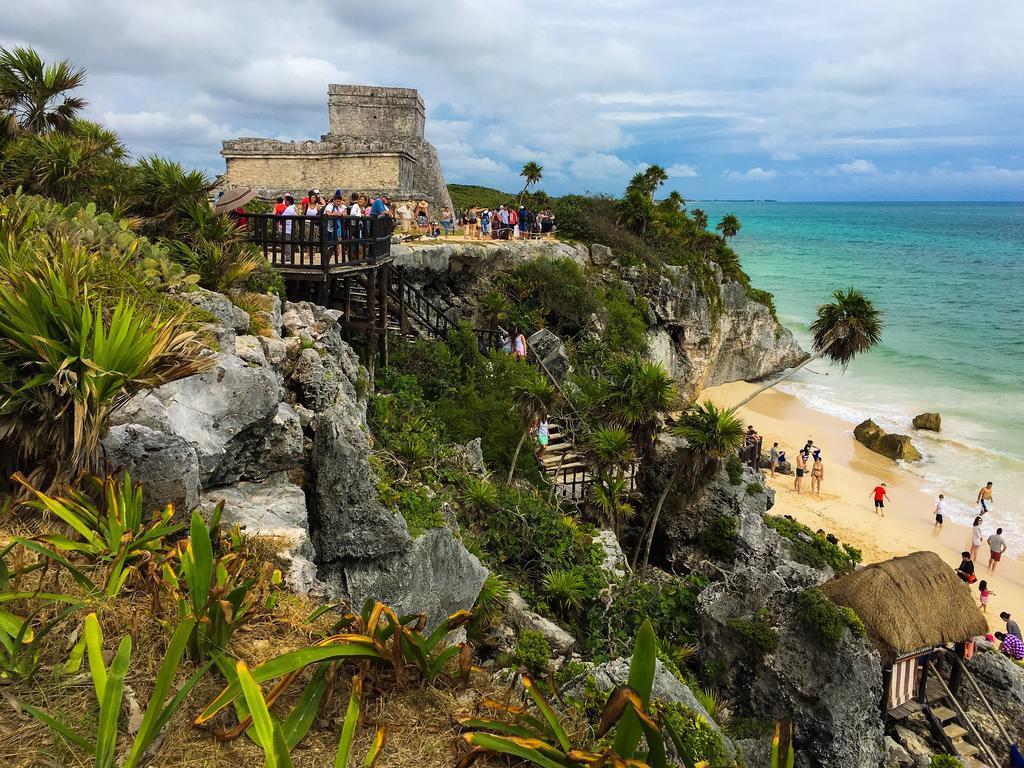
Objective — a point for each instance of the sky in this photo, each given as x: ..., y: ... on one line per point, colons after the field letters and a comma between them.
x: 795, y: 100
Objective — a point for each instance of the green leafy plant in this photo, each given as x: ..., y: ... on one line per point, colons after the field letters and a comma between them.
x: 825, y: 619
x: 782, y: 753
x: 108, y: 684
x: 214, y: 586
x: 758, y: 633
x: 719, y: 537
x: 533, y: 651
x: 814, y: 549
x: 945, y: 761
x: 566, y: 587
x: 111, y: 528
x: 21, y: 637
x: 478, y: 497
x: 542, y: 739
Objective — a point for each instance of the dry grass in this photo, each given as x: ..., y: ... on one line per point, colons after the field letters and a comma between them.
x: 420, y: 721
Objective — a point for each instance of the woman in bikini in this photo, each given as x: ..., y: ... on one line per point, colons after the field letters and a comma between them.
x: 817, y: 473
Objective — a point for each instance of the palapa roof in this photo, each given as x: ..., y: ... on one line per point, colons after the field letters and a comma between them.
x: 909, y: 603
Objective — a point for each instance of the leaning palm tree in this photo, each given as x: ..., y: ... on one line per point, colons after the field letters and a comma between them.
x: 711, y: 434
x: 530, y: 402
x: 655, y: 176
x: 844, y: 329
x: 35, y: 93
x: 533, y: 173
x: 729, y: 226
x: 699, y: 218
x: 638, y: 395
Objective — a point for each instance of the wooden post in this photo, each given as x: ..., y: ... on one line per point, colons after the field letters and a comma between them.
x: 956, y: 672
x: 385, y: 281
x: 371, y: 314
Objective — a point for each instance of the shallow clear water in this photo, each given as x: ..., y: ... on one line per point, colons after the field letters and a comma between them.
x: 950, y: 278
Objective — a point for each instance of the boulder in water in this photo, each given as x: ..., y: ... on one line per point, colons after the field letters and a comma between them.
x: 897, y: 447
x: 930, y: 421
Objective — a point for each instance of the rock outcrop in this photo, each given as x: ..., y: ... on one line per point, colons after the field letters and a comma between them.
x: 164, y: 463
x: 519, y: 616
x: 700, y: 344
x: 551, y: 353
x: 929, y: 421
x: 897, y: 447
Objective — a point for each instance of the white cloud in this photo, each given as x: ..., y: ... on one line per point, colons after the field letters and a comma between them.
x: 680, y: 171
x: 860, y: 165
x: 600, y: 167
x: 754, y: 174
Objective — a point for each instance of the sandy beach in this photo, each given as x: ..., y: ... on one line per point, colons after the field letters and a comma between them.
x: 845, y: 506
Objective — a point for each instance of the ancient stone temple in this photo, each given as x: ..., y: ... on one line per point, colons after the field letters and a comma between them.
x: 375, y: 144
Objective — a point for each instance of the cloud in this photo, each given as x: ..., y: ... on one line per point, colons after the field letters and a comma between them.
x: 680, y: 171
x: 607, y: 90
x: 754, y: 174
x: 857, y: 166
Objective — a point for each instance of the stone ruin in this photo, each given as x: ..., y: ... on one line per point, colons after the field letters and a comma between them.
x: 375, y: 144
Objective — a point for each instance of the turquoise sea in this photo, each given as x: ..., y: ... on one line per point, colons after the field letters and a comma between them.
x: 950, y: 279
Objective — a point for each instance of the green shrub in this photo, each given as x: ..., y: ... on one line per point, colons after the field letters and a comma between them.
x: 699, y: 740
x: 533, y: 651
x: 945, y: 761
x: 754, y: 488
x: 734, y: 468
x: 719, y: 538
x: 671, y: 607
x: 825, y: 619
x: 569, y: 672
x: 557, y: 290
x: 758, y: 632
x: 814, y: 549
x: 762, y: 297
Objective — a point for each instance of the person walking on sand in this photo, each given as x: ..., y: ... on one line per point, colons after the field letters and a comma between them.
x: 817, y: 473
x: 801, y: 467
x: 966, y: 569
x: 880, y: 497
x: 983, y: 593
x: 773, y: 458
x: 1012, y: 627
x: 996, y: 548
x: 977, y: 537
x: 940, y: 511
x: 985, y: 498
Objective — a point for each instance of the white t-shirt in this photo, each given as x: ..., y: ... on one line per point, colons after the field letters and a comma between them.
x: 404, y: 212
x: 977, y: 537
x: 355, y: 210
x: 289, y: 211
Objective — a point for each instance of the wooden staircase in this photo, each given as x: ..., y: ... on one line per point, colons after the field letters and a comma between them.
x: 564, y: 466
x: 951, y: 725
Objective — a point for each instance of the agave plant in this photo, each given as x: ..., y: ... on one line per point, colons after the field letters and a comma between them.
x: 110, y: 529
x: 66, y: 361
x: 108, y: 684
x: 478, y: 497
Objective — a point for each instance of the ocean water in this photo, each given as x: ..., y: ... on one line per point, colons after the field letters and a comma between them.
x: 950, y: 279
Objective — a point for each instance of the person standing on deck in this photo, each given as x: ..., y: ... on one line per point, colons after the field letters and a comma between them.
x: 519, y: 345
x: 543, y: 436
x: 289, y: 210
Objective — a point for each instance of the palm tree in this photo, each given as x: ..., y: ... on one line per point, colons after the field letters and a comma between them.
x: 639, y: 394
x: 699, y: 218
x: 610, y: 448
x: 34, y: 93
x: 161, y: 190
x: 533, y: 173
x: 636, y: 211
x: 729, y: 225
x: 655, y: 176
x: 673, y: 201
x: 530, y: 402
x: 495, y: 308
x: 843, y: 330
x: 711, y: 434
x: 83, y: 163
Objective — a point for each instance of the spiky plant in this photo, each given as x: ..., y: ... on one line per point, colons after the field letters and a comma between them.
x: 161, y: 190
x: 66, y: 361
x: 478, y: 497
x: 566, y: 587
x: 847, y: 327
x: 638, y: 396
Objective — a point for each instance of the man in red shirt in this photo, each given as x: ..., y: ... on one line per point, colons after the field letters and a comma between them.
x: 279, y: 206
x: 880, y: 498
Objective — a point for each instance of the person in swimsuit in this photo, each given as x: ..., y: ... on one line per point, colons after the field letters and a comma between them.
x: 801, y: 467
x: 985, y: 498
x: 817, y: 473
x: 880, y: 497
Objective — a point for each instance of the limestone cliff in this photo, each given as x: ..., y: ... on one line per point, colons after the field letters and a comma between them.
x: 702, y: 342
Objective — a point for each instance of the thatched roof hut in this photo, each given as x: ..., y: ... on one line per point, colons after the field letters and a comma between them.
x: 909, y: 603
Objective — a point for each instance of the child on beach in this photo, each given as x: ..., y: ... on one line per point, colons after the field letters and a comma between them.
x: 880, y: 498
x: 940, y: 510
x: 983, y: 593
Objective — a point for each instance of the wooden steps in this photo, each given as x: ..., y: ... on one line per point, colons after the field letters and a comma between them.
x: 943, y: 714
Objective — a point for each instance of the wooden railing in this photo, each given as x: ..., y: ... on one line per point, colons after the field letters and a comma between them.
x: 319, y: 243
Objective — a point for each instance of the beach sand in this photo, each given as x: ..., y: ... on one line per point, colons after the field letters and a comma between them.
x: 845, y: 507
